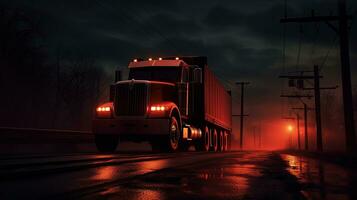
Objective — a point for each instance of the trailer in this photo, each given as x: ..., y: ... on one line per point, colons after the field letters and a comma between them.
x: 171, y: 102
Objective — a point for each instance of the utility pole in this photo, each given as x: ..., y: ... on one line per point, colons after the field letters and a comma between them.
x: 254, y: 136
x: 298, y: 129
x: 306, y: 134
x: 342, y: 31
x: 317, y: 109
x: 260, y: 135
x: 305, y: 128
x: 242, y: 84
x: 346, y: 78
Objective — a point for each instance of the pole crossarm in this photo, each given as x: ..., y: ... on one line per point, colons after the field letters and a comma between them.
x: 303, y: 108
x: 312, y: 19
x: 323, y: 88
x: 242, y: 83
x: 298, y: 77
x: 240, y: 115
x: 297, y: 96
x: 292, y: 118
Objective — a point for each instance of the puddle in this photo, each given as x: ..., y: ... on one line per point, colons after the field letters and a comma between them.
x: 321, y: 180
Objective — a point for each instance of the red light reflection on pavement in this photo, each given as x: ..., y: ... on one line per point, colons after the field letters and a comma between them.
x: 105, y: 173
x: 322, y: 180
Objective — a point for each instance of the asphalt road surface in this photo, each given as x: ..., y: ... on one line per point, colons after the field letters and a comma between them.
x: 191, y: 175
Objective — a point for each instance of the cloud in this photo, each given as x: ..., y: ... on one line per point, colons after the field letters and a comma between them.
x: 242, y: 39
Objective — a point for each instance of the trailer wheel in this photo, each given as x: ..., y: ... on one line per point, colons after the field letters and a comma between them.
x: 206, y: 141
x: 225, y: 141
x: 214, y: 137
x: 203, y: 143
x: 220, y: 141
x: 106, y: 143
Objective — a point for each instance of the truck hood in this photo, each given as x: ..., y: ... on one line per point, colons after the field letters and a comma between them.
x: 133, y: 81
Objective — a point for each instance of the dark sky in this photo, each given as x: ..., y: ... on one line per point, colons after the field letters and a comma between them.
x: 242, y: 39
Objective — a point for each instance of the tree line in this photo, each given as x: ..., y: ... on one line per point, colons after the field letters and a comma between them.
x: 41, y: 89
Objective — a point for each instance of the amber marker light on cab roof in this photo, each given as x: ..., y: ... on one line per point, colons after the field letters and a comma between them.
x: 160, y: 58
x: 135, y: 60
x: 150, y: 59
x: 177, y: 58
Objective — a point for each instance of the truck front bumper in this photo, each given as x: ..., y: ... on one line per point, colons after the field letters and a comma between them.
x: 131, y: 127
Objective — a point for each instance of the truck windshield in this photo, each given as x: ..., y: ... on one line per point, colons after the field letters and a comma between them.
x: 164, y: 74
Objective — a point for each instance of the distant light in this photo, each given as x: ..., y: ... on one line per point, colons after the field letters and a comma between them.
x: 290, y: 128
x: 150, y: 59
x: 177, y: 58
x: 160, y: 58
x: 135, y: 60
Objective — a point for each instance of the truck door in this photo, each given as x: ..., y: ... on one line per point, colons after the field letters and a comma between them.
x: 183, y: 92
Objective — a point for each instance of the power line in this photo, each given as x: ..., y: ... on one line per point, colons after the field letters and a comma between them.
x: 317, y: 28
x: 299, y: 47
x: 333, y: 45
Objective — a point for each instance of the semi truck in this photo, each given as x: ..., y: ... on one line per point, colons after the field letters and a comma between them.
x: 171, y: 102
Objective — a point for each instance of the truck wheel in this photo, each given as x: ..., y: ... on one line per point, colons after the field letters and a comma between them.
x: 214, y: 137
x: 203, y: 143
x: 206, y: 139
x: 106, y: 143
x: 220, y: 141
x: 174, y: 135
x: 225, y: 141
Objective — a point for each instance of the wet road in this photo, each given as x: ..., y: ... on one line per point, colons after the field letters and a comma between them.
x: 322, y: 180
x: 233, y: 175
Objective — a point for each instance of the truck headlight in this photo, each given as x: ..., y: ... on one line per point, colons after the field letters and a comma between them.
x: 158, y: 108
x: 104, y: 111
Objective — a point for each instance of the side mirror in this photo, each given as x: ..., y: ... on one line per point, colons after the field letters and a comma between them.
x: 197, y: 75
x: 111, y: 92
x: 118, y: 75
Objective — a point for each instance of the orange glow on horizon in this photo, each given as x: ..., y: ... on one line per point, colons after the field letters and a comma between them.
x: 290, y: 128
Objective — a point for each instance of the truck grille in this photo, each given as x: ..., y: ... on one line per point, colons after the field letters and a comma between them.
x: 130, y: 99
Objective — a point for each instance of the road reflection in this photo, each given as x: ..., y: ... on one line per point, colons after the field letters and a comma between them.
x: 105, y: 173
x: 321, y: 180
x: 231, y: 179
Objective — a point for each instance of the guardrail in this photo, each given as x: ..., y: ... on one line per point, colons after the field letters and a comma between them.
x: 10, y: 135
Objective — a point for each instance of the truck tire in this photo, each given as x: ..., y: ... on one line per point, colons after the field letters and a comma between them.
x: 171, y: 143
x: 220, y: 141
x: 203, y: 143
x: 225, y: 141
x: 106, y: 143
x: 214, y: 137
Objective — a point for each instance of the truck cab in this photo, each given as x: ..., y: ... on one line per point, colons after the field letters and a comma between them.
x: 162, y: 102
